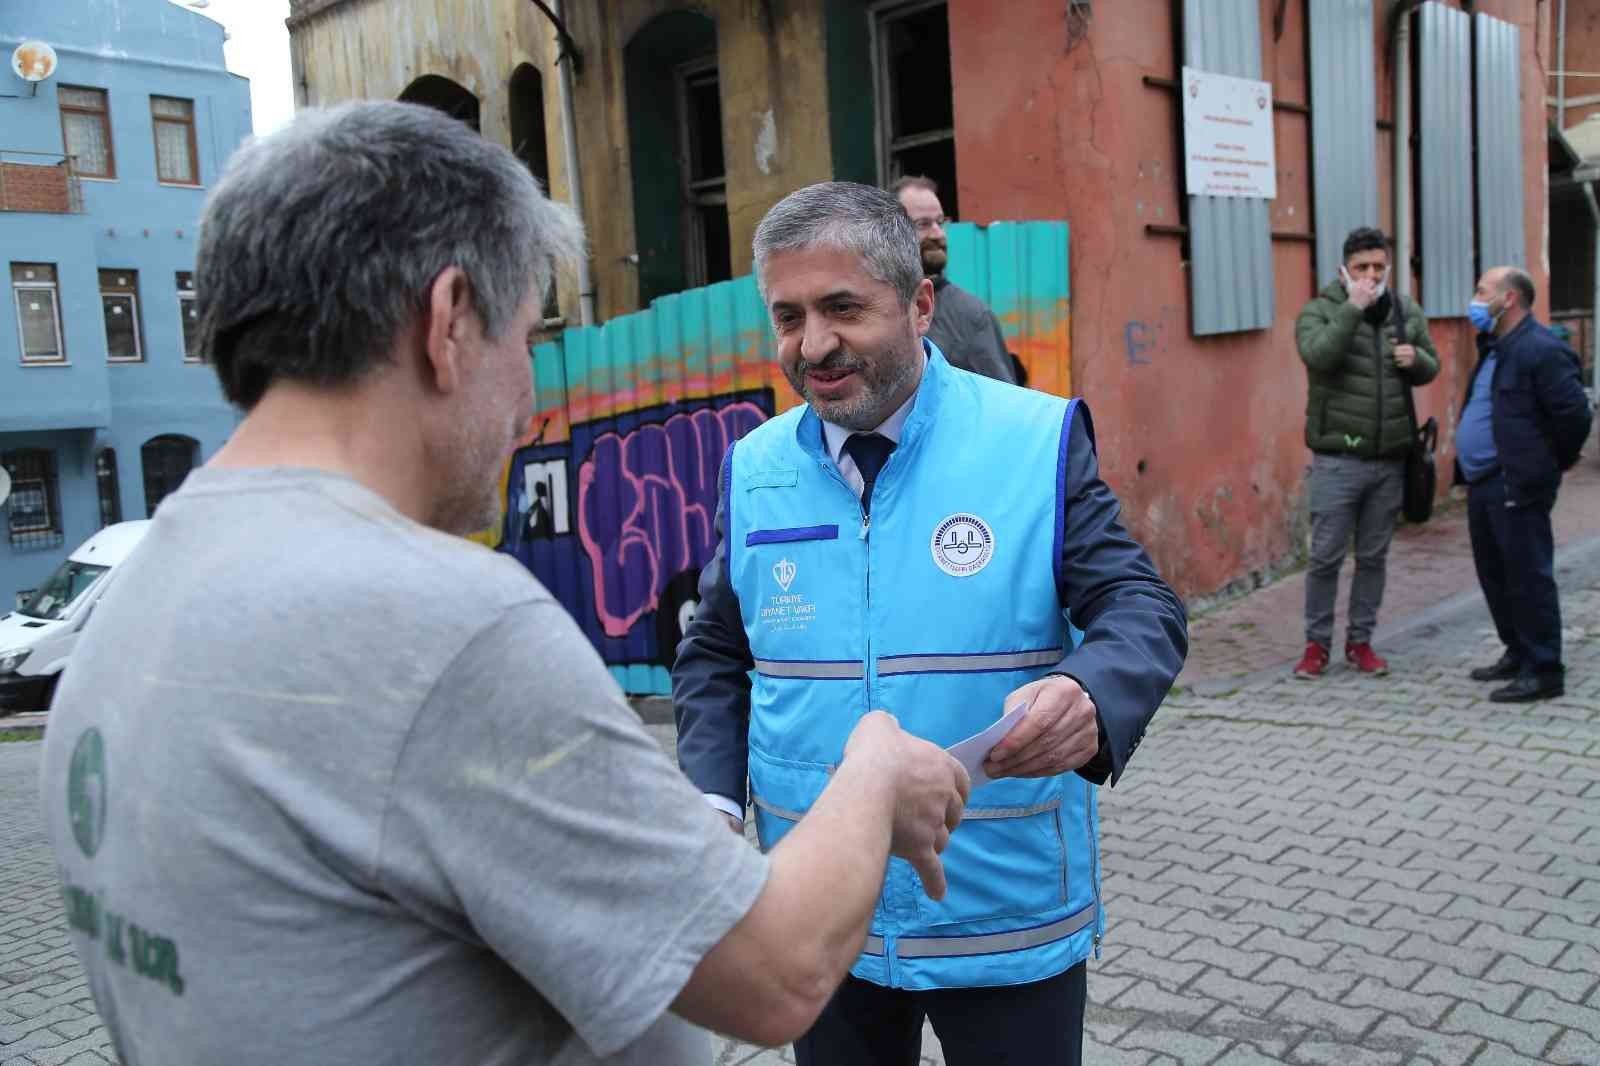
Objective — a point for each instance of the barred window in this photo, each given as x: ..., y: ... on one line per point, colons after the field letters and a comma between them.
x: 33, y: 510
x: 176, y: 157
x: 167, y: 461
x: 86, y: 130
x: 190, y: 318
x: 108, y: 487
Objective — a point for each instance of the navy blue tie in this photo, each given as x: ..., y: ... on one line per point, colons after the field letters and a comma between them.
x: 870, y: 451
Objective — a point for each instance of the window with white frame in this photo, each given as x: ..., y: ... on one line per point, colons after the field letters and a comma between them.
x: 916, y: 99
x: 190, y: 317
x: 119, y: 304
x: 707, y: 248
x: 177, y: 160
x: 33, y: 288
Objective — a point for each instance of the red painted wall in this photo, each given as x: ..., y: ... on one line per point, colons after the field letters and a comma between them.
x: 1202, y: 438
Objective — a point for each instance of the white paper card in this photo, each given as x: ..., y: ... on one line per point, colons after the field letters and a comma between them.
x: 976, y: 748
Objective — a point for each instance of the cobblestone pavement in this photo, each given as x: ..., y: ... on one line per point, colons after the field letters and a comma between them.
x: 1428, y: 565
x: 1353, y: 871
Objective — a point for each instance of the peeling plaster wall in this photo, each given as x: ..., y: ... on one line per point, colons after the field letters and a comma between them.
x: 1201, y: 437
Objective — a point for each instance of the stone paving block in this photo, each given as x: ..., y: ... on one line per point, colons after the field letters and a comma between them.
x: 1575, y: 1048
x: 1573, y: 986
x: 1305, y: 952
x: 61, y: 1012
x: 1527, y: 1037
x: 1447, y: 1049
x: 1501, y: 1055
x: 1478, y: 891
x: 1323, y: 1053
x: 1325, y: 1020
x: 1540, y: 1005
x: 1440, y: 930
x: 1409, y: 899
x: 1154, y: 1005
x: 1159, y: 969
x: 1162, y: 944
x: 1421, y: 1010
x: 1331, y: 985
x: 61, y: 1053
x: 1250, y: 996
x: 1577, y: 911
x: 1191, y: 1048
x: 1496, y: 996
x: 1400, y: 973
x: 1105, y: 1054
x: 1541, y: 951
x: 1240, y: 963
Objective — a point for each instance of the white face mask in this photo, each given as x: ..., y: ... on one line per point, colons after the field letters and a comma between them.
x: 1383, y: 282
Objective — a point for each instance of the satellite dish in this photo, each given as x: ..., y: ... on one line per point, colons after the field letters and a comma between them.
x: 5, y: 485
x: 33, y: 61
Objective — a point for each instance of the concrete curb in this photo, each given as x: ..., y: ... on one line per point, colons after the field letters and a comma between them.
x: 1571, y: 559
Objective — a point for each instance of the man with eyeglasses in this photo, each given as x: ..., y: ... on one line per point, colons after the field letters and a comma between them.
x: 964, y: 328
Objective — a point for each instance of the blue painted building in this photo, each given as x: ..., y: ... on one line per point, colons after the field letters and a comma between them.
x: 105, y: 404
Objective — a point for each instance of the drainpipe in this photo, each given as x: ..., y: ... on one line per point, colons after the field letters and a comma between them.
x: 1594, y: 315
x: 1561, y: 73
x: 569, y: 148
x: 1401, y: 14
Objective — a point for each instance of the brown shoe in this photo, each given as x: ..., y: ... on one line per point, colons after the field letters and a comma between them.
x: 1312, y: 663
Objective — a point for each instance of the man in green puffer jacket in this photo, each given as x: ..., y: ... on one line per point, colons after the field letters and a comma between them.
x: 1359, y: 428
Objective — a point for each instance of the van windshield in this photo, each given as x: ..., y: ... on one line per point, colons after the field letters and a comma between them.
x: 52, y: 600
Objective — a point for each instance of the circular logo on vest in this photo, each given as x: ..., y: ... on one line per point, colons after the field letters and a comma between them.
x: 86, y: 791
x: 962, y: 545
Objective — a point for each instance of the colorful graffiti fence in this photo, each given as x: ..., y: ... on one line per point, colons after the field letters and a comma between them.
x: 611, y: 502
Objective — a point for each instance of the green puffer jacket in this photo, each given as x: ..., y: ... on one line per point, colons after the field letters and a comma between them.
x: 1357, y: 401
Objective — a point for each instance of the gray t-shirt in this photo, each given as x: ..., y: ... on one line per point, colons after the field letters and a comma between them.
x: 325, y: 785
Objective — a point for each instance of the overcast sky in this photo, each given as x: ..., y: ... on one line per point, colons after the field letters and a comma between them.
x: 258, y: 49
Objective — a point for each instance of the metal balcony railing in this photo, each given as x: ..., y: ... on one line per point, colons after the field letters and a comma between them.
x: 46, y: 182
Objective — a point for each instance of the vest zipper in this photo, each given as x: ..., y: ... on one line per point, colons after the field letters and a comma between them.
x: 1381, y: 375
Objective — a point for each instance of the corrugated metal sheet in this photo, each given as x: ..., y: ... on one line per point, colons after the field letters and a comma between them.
x: 1344, y: 138
x: 632, y: 418
x: 1499, y: 93
x: 1444, y: 94
x: 1230, y: 239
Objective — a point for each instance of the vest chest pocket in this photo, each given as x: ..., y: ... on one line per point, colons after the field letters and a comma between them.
x: 1001, y: 863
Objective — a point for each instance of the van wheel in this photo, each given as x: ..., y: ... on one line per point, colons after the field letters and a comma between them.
x: 674, y: 612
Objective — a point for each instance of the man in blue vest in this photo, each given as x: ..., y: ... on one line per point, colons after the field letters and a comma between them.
x: 916, y: 538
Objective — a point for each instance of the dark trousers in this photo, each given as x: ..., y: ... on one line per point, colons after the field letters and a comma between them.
x: 1039, y: 1024
x: 1514, y: 551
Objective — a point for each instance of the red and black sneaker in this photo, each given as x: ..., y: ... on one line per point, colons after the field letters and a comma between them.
x: 1312, y: 663
x: 1363, y: 658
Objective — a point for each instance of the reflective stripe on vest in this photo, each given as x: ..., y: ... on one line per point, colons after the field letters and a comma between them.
x: 967, y: 664
x: 932, y: 947
x: 812, y: 670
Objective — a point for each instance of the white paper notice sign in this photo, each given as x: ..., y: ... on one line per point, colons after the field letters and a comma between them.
x: 1227, y: 136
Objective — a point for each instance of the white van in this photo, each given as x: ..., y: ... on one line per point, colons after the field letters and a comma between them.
x: 36, y: 639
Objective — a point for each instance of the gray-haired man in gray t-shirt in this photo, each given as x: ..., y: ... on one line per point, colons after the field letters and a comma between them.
x: 327, y: 784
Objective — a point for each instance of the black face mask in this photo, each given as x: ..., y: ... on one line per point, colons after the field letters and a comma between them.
x: 1377, y: 312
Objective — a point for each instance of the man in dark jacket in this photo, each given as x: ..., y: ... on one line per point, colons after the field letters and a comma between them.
x: 964, y: 328
x: 1363, y: 349
x: 1523, y: 422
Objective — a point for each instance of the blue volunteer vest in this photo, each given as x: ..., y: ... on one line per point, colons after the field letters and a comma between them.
x: 934, y: 610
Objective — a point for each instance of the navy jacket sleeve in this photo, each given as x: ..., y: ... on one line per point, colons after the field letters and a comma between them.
x: 711, y: 680
x: 1559, y: 387
x: 1135, y: 628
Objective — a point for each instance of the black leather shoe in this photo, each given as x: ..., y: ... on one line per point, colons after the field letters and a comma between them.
x: 1504, y: 670
x: 1528, y: 689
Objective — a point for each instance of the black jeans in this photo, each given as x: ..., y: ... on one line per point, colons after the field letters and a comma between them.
x: 1514, y: 551
x: 1038, y: 1024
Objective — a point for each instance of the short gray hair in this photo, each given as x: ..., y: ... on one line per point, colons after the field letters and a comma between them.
x: 856, y: 218
x: 1522, y: 281
x: 319, y: 245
